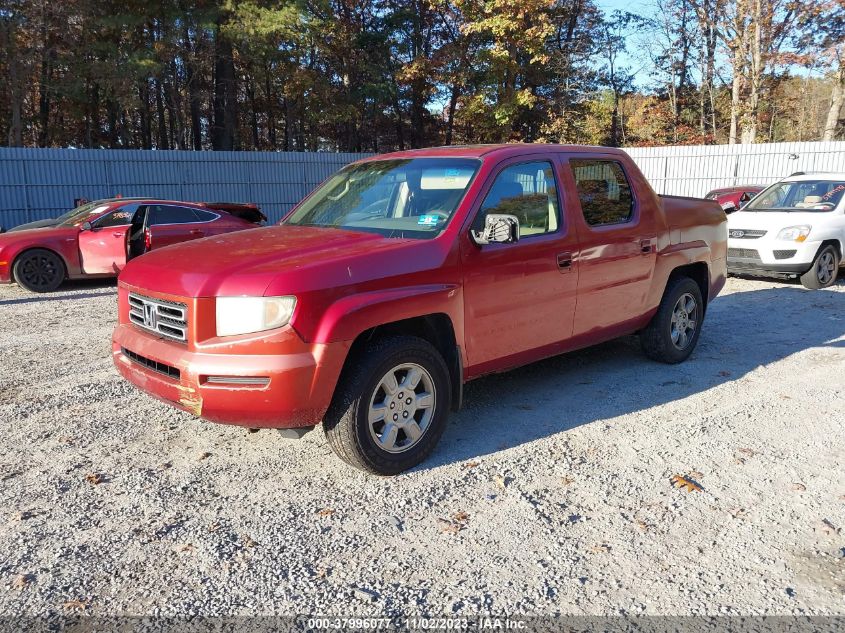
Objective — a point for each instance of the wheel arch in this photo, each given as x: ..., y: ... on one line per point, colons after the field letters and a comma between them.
x: 435, y: 328
x: 699, y: 273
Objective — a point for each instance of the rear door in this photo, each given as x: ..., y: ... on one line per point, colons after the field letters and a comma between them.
x: 102, y: 248
x: 520, y: 296
x: 171, y: 224
x: 618, y: 244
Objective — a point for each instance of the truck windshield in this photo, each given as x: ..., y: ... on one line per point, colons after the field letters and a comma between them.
x: 413, y: 198
x: 803, y: 195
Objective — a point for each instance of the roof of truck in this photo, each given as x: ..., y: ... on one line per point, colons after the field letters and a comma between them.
x: 815, y: 175
x: 503, y: 149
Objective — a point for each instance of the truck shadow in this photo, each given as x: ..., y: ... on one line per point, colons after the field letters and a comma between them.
x: 742, y: 331
x: 81, y: 289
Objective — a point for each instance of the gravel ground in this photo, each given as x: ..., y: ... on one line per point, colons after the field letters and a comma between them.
x: 549, y: 493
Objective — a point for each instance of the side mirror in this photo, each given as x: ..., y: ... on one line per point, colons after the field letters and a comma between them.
x: 86, y: 226
x: 499, y: 228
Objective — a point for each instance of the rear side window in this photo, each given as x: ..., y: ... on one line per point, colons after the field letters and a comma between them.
x: 165, y: 214
x: 604, y: 191
x: 204, y: 216
x: 527, y: 191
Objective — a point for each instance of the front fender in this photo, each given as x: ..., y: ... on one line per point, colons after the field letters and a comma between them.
x: 349, y: 316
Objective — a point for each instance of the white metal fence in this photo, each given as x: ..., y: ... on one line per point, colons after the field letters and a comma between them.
x: 695, y: 170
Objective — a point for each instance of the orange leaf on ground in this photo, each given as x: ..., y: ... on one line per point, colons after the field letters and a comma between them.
x: 679, y: 481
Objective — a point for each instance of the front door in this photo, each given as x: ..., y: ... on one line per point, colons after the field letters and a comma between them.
x: 519, y: 296
x: 102, y: 248
x: 618, y: 245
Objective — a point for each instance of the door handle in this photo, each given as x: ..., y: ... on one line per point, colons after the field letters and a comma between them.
x: 118, y: 234
x: 646, y: 247
x: 195, y: 232
x: 564, y: 262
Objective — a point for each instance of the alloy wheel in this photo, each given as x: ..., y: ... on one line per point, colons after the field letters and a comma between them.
x: 684, y: 321
x: 401, y: 408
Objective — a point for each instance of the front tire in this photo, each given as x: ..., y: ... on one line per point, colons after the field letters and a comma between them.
x: 39, y: 270
x: 390, y: 407
x: 673, y: 332
x: 823, y: 272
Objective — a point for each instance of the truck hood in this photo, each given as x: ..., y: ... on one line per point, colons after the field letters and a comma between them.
x: 291, y: 258
x: 774, y: 221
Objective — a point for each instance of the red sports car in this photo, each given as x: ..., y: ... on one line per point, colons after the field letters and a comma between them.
x: 734, y: 198
x: 98, y: 238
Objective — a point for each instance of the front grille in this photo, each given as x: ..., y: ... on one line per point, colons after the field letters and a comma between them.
x: 743, y: 253
x: 784, y: 254
x: 745, y: 234
x: 161, y: 368
x: 166, y: 318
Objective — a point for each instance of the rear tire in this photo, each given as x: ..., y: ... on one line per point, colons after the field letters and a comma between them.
x: 673, y: 332
x: 387, y: 425
x: 824, y: 270
x: 39, y: 270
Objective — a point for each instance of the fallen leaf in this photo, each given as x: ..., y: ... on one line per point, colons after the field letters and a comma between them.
x: 737, y: 513
x: 469, y: 465
x: 799, y: 486
x: 602, y: 548
x: 23, y: 515
x: 461, y: 516
x: 696, y: 475
x: 65, y: 439
x: 22, y: 580
x: 95, y: 478
x: 785, y: 397
x: 75, y: 605
x: 187, y: 547
x: 322, y: 572
x: 326, y: 512
x: 213, y: 527
x: 826, y: 527
x: 165, y: 465
x: 679, y: 481
x: 645, y: 527
x: 739, y: 460
x: 203, y: 456
x: 501, y: 481
x: 746, y: 451
x: 248, y: 541
x: 448, y: 526
x: 566, y: 480
x: 724, y: 373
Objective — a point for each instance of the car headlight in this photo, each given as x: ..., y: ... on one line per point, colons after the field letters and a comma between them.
x: 794, y: 233
x: 243, y: 315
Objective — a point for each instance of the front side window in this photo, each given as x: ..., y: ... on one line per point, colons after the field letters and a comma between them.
x: 804, y: 195
x: 119, y: 217
x: 604, y: 191
x: 405, y: 197
x: 166, y: 214
x: 527, y: 191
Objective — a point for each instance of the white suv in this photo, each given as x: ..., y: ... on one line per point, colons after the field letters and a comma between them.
x: 795, y: 228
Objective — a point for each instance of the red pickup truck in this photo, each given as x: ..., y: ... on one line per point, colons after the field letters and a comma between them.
x: 405, y: 275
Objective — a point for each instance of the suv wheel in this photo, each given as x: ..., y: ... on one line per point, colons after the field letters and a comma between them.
x: 673, y: 332
x: 390, y: 407
x: 824, y: 270
x: 39, y: 270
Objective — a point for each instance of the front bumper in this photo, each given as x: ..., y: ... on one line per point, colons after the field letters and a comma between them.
x: 289, y: 388
x: 766, y: 257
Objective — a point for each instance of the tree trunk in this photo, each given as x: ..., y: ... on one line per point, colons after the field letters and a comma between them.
x: 837, y: 100
x: 162, y: 123
x: 223, y: 130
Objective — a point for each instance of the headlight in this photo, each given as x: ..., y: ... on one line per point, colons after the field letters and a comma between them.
x: 794, y: 233
x: 243, y: 315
